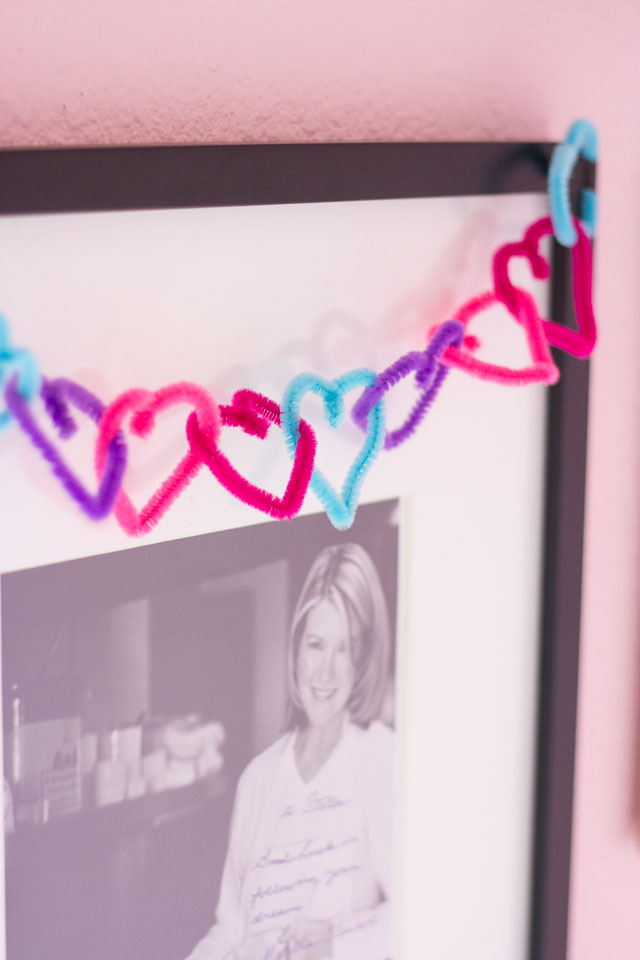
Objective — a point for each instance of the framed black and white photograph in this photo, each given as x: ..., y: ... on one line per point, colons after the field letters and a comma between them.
x: 251, y: 739
x: 201, y: 756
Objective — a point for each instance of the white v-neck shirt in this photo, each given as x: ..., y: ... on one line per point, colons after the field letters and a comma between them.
x: 320, y: 849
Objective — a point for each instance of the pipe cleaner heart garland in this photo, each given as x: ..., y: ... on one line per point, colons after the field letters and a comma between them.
x: 450, y: 344
x: 341, y: 507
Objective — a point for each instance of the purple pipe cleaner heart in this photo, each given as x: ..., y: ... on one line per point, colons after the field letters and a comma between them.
x: 55, y: 394
x: 57, y: 408
x: 430, y: 375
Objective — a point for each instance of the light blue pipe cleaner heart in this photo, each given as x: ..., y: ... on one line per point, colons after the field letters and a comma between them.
x: 581, y: 138
x: 12, y: 360
x: 341, y: 507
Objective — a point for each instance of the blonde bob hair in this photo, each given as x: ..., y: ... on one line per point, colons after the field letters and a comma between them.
x: 345, y: 574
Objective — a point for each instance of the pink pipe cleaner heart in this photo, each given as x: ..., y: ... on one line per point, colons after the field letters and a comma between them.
x: 580, y: 342
x: 255, y: 413
x: 542, y: 370
x: 143, y: 406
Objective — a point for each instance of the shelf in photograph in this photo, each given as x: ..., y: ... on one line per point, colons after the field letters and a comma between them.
x: 142, y: 813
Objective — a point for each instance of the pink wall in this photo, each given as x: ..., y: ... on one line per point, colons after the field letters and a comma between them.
x: 150, y: 71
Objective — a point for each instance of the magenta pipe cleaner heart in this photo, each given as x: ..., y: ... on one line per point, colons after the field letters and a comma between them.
x: 580, y: 342
x: 430, y: 375
x: 55, y: 393
x: 255, y: 413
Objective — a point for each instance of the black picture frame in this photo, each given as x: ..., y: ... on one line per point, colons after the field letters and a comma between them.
x: 69, y: 180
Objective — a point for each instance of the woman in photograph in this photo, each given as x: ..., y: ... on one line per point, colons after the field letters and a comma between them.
x: 308, y: 867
